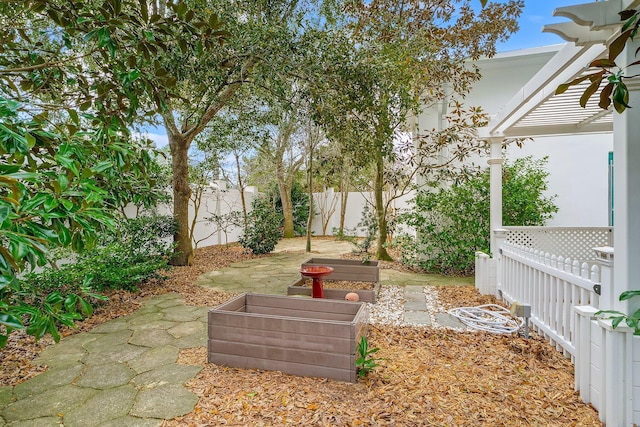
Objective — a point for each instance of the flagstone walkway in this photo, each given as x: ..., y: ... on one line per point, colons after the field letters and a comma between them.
x: 124, y: 372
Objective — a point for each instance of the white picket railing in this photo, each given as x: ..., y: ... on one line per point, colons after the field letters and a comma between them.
x: 563, y: 300
x: 552, y: 285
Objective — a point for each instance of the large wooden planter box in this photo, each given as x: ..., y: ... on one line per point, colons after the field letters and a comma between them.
x: 307, y: 337
x: 343, y: 269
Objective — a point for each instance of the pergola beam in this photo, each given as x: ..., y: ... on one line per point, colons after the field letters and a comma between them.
x: 596, y: 15
x: 568, y: 63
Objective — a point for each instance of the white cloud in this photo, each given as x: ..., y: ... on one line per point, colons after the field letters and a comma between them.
x: 160, y: 139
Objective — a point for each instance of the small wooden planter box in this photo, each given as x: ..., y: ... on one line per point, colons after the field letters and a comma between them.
x: 343, y: 269
x: 307, y: 337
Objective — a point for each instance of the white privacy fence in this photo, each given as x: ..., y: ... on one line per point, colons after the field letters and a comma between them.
x: 218, y: 200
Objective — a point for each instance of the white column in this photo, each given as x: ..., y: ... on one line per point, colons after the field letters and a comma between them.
x: 626, y: 148
x: 495, y: 168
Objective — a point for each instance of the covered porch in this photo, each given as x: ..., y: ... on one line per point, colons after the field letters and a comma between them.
x: 567, y: 274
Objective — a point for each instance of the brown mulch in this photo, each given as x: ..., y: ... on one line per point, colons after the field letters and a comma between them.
x: 17, y: 356
x: 427, y: 376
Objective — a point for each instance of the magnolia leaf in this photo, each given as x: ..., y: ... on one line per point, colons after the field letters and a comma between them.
x: 605, y: 96
x: 563, y: 87
x: 86, y: 307
x: 10, y: 321
x: 629, y: 294
x: 617, y: 46
x: 5, y: 210
x: 630, y: 22
x: 621, y: 97
x: 593, y: 87
x: 616, y: 321
x: 603, y: 62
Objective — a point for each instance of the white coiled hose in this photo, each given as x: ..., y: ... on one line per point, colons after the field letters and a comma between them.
x: 489, y: 317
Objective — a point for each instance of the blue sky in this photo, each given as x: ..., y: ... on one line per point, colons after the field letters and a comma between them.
x: 537, y: 13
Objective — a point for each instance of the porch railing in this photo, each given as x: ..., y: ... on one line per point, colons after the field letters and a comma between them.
x: 566, y: 275
x: 571, y: 242
x: 552, y: 285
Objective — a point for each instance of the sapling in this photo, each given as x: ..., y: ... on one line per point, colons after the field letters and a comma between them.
x: 365, y: 361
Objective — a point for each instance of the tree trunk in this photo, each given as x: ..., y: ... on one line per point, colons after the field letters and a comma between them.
x: 310, y: 183
x: 344, y: 195
x: 287, y: 208
x: 241, y: 188
x: 381, y: 251
x: 183, y: 254
x: 197, y: 201
x: 284, y: 188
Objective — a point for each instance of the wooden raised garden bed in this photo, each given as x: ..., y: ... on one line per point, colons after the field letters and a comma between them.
x: 343, y: 270
x: 307, y: 337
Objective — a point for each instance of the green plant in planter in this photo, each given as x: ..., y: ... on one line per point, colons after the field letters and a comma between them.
x: 617, y: 317
x: 365, y: 361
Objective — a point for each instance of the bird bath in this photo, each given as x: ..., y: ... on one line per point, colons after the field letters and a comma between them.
x: 316, y: 273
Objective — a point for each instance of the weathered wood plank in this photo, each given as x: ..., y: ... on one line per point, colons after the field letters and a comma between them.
x: 288, y: 342
x: 234, y: 304
x: 308, y: 341
x: 279, y: 323
x: 301, y: 314
x: 291, y: 368
x: 334, y: 294
x: 307, y: 357
x: 315, y: 307
x: 351, y: 270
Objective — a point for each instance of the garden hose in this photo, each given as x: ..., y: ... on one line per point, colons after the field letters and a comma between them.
x: 489, y: 317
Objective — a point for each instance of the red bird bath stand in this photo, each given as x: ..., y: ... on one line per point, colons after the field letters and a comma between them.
x: 316, y: 273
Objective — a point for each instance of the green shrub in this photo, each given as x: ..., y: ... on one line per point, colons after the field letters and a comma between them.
x: 264, y: 228
x: 453, y: 223
x: 120, y: 261
x: 134, y: 252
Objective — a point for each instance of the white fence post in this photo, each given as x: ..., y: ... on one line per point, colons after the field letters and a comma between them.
x: 606, y: 300
x: 617, y: 375
x: 501, y: 235
x: 584, y: 315
x: 482, y: 272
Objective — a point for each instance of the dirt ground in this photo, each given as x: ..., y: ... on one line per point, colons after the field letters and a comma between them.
x: 427, y: 376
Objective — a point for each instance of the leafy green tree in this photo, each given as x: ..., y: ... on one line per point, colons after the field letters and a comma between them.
x: 392, y: 60
x: 334, y: 169
x: 285, y: 151
x: 233, y: 135
x: 451, y: 224
x: 72, y: 77
x: 259, y: 50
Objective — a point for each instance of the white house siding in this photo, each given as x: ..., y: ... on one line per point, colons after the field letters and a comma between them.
x: 577, y: 165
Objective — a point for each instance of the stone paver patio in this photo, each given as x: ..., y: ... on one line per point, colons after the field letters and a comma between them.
x: 124, y: 372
